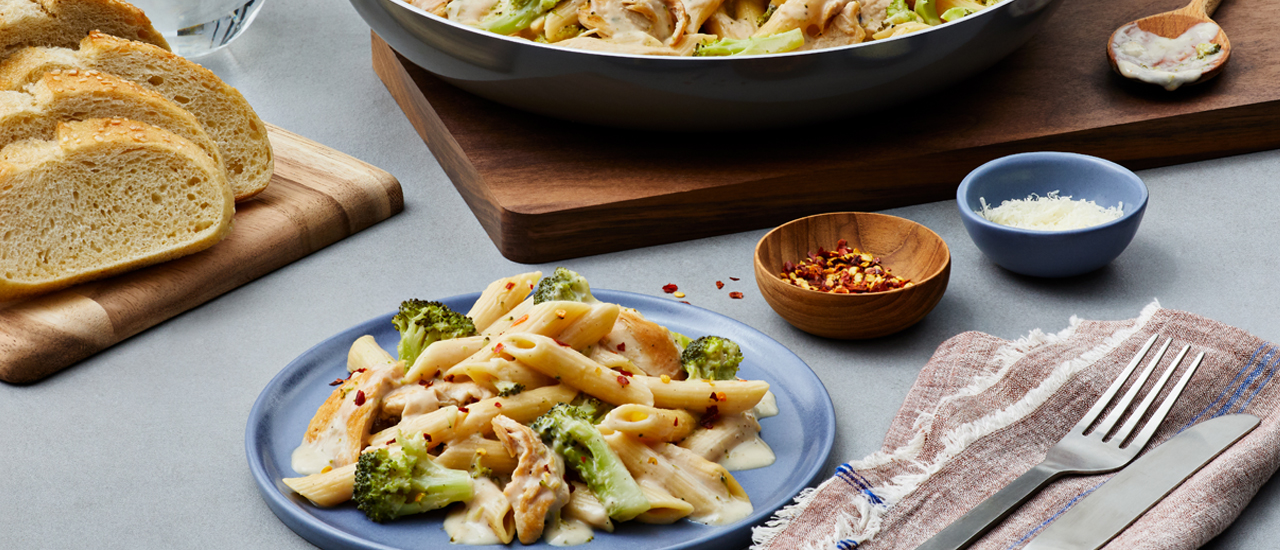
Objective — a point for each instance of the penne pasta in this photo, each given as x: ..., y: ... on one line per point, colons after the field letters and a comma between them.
x: 732, y: 441
x: 443, y: 354
x: 438, y: 425
x: 649, y: 424
x: 716, y: 497
x: 727, y: 396
x: 574, y: 369
x: 365, y: 353
x: 326, y: 489
x: 664, y: 508
x: 489, y: 373
x: 585, y: 507
x: 591, y: 326
x: 460, y: 454
x: 522, y: 407
x: 486, y: 519
x: 500, y: 297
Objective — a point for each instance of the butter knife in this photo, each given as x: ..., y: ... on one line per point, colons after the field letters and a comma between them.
x: 1102, y: 515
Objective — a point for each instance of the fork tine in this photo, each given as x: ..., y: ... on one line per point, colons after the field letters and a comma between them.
x: 1141, y: 409
x: 1156, y: 419
x: 1117, y: 412
x: 1101, y: 403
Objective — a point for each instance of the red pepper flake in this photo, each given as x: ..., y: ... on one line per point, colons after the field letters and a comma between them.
x: 713, y: 396
x: 622, y: 346
x: 337, y: 382
x: 426, y: 436
x: 719, y: 285
x: 685, y: 302
x: 448, y: 378
x: 622, y: 381
x: 497, y: 404
x: 361, y: 370
x: 498, y: 348
x: 676, y: 422
x: 708, y: 420
x: 390, y: 441
x: 510, y: 286
x: 463, y: 409
x: 626, y: 373
x: 359, y: 397
x: 584, y: 459
x: 522, y: 319
x: 734, y: 279
x: 559, y: 343
x: 670, y: 288
x: 735, y: 295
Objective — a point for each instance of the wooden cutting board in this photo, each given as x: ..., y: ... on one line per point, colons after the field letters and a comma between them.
x: 547, y: 190
x: 317, y: 197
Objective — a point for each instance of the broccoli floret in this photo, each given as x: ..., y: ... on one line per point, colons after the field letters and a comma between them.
x: 961, y: 8
x: 928, y: 11
x: 680, y: 340
x: 568, y: 431
x: 593, y: 409
x: 756, y: 45
x: 563, y: 285
x: 421, y: 322
x: 711, y: 358
x: 508, y: 389
x: 512, y: 16
x: 897, y: 12
x: 390, y: 485
x: 764, y: 17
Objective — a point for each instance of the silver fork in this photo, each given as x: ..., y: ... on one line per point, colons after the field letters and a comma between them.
x: 1080, y: 451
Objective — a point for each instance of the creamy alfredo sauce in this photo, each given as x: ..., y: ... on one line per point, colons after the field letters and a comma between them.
x: 1167, y: 62
x: 567, y: 532
x: 753, y: 452
x: 465, y: 527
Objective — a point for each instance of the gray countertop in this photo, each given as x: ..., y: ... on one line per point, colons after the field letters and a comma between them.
x: 142, y: 446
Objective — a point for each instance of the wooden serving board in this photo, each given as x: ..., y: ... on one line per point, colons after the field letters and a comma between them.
x: 317, y: 197
x: 547, y: 190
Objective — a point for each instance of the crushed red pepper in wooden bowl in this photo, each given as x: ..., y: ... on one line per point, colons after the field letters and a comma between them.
x: 842, y: 271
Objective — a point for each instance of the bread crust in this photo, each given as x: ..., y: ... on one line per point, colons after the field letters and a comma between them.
x: 227, y: 117
x: 108, y: 196
x: 65, y: 22
x: 64, y: 96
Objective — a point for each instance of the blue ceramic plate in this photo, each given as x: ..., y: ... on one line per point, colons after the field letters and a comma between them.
x: 801, y: 435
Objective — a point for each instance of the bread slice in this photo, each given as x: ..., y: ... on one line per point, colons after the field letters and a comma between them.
x: 63, y: 96
x: 65, y: 22
x: 108, y: 196
x: 227, y: 117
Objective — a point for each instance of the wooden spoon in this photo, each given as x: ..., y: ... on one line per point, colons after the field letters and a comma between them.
x: 1173, y: 24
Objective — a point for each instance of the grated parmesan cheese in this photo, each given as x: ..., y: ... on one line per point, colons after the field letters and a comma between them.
x: 1049, y: 213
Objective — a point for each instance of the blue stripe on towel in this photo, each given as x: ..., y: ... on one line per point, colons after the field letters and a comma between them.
x: 1046, y: 522
x: 1271, y: 372
x: 847, y: 544
x: 855, y: 480
x: 1227, y: 389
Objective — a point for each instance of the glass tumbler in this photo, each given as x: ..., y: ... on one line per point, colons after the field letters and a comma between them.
x: 197, y: 27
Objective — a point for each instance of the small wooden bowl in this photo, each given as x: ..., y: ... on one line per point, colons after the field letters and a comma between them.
x: 907, y: 248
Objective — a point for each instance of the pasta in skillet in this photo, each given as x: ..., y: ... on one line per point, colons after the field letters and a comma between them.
x: 702, y: 27
x: 540, y: 415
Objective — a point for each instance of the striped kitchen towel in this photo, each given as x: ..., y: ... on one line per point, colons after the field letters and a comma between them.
x: 985, y: 410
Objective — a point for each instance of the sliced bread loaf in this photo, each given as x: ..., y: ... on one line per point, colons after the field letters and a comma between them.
x: 65, y: 22
x: 108, y: 196
x: 64, y: 96
x: 241, y: 136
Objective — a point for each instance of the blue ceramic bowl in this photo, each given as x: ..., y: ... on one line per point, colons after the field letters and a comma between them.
x: 1052, y: 253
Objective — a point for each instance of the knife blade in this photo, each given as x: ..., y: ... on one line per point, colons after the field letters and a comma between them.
x: 1099, y: 517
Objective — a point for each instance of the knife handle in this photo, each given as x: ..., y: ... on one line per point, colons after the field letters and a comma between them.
x: 970, y: 527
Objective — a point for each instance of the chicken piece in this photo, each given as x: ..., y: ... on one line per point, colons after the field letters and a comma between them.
x: 652, y: 23
x: 340, y: 428
x: 645, y: 343
x: 469, y: 12
x: 410, y: 400
x: 460, y: 394
x: 809, y: 16
x: 841, y: 30
x: 537, y: 489
x: 872, y: 15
